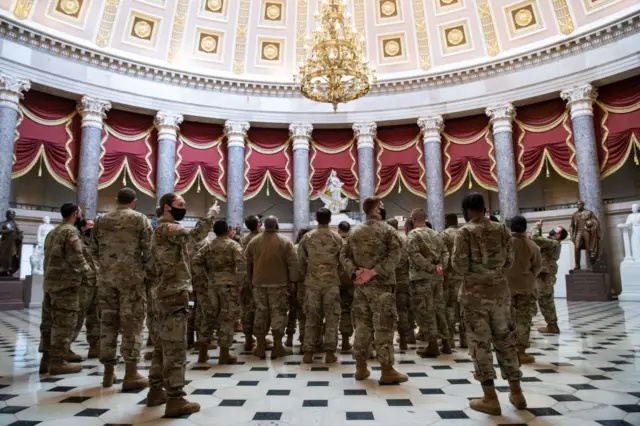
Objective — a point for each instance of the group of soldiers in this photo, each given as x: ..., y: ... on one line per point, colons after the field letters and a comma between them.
x: 370, y: 279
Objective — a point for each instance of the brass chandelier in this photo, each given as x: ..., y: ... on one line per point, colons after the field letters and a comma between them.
x: 336, y: 70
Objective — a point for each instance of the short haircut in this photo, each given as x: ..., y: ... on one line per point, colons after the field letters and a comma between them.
x: 428, y: 224
x: 271, y: 222
x: 393, y: 222
x: 166, y: 199
x: 494, y: 218
x: 301, y: 233
x: 68, y: 209
x: 369, y: 204
x: 450, y: 220
x: 473, y: 202
x: 344, y: 226
x: 252, y: 222
x: 564, y: 234
x: 220, y: 228
x: 418, y: 215
x: 323, y: 216
x: 518, y: 224
x: 126, y: 196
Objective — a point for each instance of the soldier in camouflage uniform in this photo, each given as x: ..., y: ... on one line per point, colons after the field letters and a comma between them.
x: 254, y: 226
x: 370, y: 255
x: 427, y: 255
x: 452, y: 283
x: 550, y: 249
x: 120, y: 243
x: 403, y: 290
x: 346, y: 296
x: 64, y: 269
x: 170, y: 294
x: 296, y: 304
x: 413, y: 305
x: 219, y: 267
x: 481, y: 251
x: 318, y: 260
x: 521, y: 277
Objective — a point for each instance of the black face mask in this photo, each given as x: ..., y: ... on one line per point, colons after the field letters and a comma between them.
x: 178, y: 214
x: 383, y: 213
x: 552, y: 233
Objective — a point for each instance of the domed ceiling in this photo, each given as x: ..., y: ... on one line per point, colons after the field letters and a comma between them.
x: 263, y: 40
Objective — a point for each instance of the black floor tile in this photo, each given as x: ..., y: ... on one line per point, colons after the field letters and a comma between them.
x: 316, y: 383
x: 24, y: 423
x: 6, y: 396
x: 248, y: 383
x: 273, y: 416
x: 91, y: 412
x: 348, y: 375
x: 614, y: 423
x: 12, y: 409
x: 360, y: 415
x: 540, y: 412
x: 546, y: 371
x: 417, y: 374
x: 565, y: 398
x: 583, y: 387
x: 286, y: 376
x: 432, y: 391
x: 597, y: 377
x: 315, y: 403
x: 319, y: 368
x: 259, y: 368
x: 76, y: 399
x: 55, y: 379
x: 441, y: 367
x: 232, y: 402
x: 203, y: 392
x: 452, y: 415
x: 62, y: 389
x: 355, y: 392
x: 630, y: 408
x: 399, y: 403
x: 459, y: 381
x: 220, y: 375
x: 279, y: 392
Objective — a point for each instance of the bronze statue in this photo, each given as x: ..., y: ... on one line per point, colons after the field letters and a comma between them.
x: 585, y: 234
x: 10, y: 245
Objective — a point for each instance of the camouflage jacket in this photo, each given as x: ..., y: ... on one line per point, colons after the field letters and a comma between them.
x: 319, y: 257
x: 402, y: 269
x: 426, y: 250
x: 449, y: 236
x: 221, y: 263
x: 550, y: 251
x: 64, y: 263
x: 373, y: 244
x: 246, y: 239
x: 345, y: 278
x: 90, y: 278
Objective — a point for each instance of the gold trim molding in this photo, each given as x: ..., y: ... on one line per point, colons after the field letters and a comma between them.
x: 178, y: 29
x: 241, y: 37
x: 22, y: 9
x: 358, y: 13
x: 488, y: 28
x: 563, y: 16
x: 301, y: 31
x: 421, y: 34
x: 106, y: 23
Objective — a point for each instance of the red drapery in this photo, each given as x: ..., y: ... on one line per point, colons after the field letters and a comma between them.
x: 468, y: 152
x: 399, y: 155
x: 268, y: 161
x: 48, y: 133
x: 200, y: 159
x: 543, y: 137
x: 617, y: 122
x: 333, y: 150
x: 129, y: 146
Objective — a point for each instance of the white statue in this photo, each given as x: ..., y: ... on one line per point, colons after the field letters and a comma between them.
x: 332, y: 196
x: 633, y: 223
x: 38, y: 253
x: 630, y: 265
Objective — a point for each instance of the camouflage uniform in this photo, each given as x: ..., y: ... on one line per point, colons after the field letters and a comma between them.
x: 318, y: 259
x: 426, y: 250
x: 550, y: 250
x: 64, y: 268
x: 219, y: 268
x: 300, y: 310
x: 346, y: 298
x: 246, y: 293
x: 451, y: 285
x: 88, y: 298
x: 120, y: 243
x: 482, y: 249
x: 374, y: 244
x: 403, y: 290
x: 202, y: 309
x: 170, y: 292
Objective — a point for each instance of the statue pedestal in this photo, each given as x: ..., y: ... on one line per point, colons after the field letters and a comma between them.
x: 630, y: 280
x: 11, y: 294
x: 33, y: 291
x: 588, y: 286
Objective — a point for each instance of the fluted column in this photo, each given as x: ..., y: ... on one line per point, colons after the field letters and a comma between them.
x: 365, y: 134
x: 300, y: 135
x: 11, y: 89
x: 431, y: 128
x: 93, y: 111
x: 167, y: 124
x: 235, y: 131
x: 501, y: 118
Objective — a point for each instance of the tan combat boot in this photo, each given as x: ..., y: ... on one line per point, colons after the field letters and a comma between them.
x: 346, y: 345
x: 330, y: 357
x: 260, y: 349
x: 248, y: 342
x: 278, y: 349
x: 226, y: 358
x: 177, y: 407
x: 516, y: 397
x: 44, y: 363
x: 203, y: 353
x: 62, y: 367
x: 549, y: 329
x: 308, y: 357
x: 156, y: 397
x: 133, y: 380
x: 390, y: 376
x: 94, y: 351
x: 402, y: 341
x: 109, y: 376
x: 71, y: 356
x: 289, y: 342
x: 362, y: 371
x: 489, y: 403
x: 525, y: 358
x: 446, y: 347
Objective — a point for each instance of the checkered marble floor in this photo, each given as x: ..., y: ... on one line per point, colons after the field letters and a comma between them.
x: 587, y: 376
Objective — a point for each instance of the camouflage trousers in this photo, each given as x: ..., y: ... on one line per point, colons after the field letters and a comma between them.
x: 150, y: 320
x: 271, y: 304
x: 522, y: 305
x: 248, y: 309
x: 374, y: 311
x: 346, y: 300
x: 89, y: 312
x: 292, y: 316
x: 319, y: 303
x: 121, y: 310
x: 302, y: 316
x: 430, y: 308
x: 224, y: 310
x: 451, y: 287
x: 170, y: 350
x: 545, y: 295
x: 486, y: 322
x: 60, y: 311
x: 403, y: 306
x: 205, y: 321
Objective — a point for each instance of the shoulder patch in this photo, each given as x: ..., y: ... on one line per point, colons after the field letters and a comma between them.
x: 173, y: 227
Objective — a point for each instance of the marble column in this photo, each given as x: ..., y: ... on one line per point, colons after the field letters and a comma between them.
x: 93, y: 111
x: 300, y: 136
x: 167, y: 124
x: 431, y: 128
x: 235, y: 131
x: 11, y: 89
x: 365, y: 134
x: 501, y: 118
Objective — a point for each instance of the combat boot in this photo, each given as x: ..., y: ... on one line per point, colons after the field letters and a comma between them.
x: 203, y: 353
x: 489, y: 403
x: 403, y: 342
x: 260, y: 349
x: 62, y: 367
x: 525, y: 358
x: 549, y: 329
x: 431, y: 351
x: 237, y: 328
x: 330, y: 357
x: 390, y: 376
x: 446, y: 347
x: 226, y: 358
x: 248, y: 342
x: 156, y: 397
x: 278, y: 349
x: 289, y: 342
x: 362, y: 371
x: 133, y: 380
x: 44, y: 363
x: 411, y: 337
x: 346, y: 345
x: 94, y: 351
x: 109, y: 376
x: 516, y: 397
x: 308, y: 357
x: 71, y: 356
x: 463, y: 340
x: 177, y: 407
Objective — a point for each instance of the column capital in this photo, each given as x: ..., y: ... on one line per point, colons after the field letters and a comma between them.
x: 93, y: 111
x: 301, y: 135
x: 11, y: 89
x: 236, y: 131
x: 501, y: 117
x: 167, y: 124
x: 580, y: 99
x: 431, y: 128
x: 364, y: 133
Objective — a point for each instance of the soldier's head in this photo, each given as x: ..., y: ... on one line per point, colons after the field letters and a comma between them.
x: 271, y: 223
x: 373, y: 208
x: 173, y: 207
x: 580, y: 205
x: 323, y: 216
x: 473, y: 206
x: 344, y: 227
x: 393, y: 223
x: 408, y: 225
x: 559, y: 233
x: 301, y: 234
x: 10, y: 215
x: 451, y: 220
x: 253, y: 223
x: 221, y: 228
x: 71, y: 213
x: 518, y: 224
x: 127, y: 197
x: 419, y: 218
